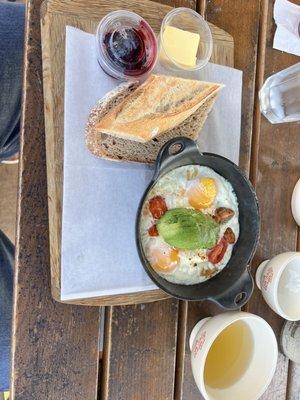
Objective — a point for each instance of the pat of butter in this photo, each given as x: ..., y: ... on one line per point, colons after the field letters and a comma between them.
x: 181, y: 46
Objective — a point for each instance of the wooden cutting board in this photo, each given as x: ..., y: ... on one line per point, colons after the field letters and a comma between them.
x: 85, y: 14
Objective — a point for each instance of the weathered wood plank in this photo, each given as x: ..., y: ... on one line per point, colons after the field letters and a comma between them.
x: 139, y: 351
x: 275, y: 170
x: 55, y: 346
x: 223, y: 14
x: 241, y: 20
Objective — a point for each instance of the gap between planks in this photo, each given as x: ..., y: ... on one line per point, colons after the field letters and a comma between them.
x: 180, y: 349
x: 104, y: 378
x: 259, y: 78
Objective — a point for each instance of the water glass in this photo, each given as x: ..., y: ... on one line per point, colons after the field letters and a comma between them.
x: 280, y: 96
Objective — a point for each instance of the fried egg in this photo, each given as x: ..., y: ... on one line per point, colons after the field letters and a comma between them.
x: 193, y: 187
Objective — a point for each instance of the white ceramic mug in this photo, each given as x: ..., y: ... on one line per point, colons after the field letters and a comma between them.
x: 233, y: 355
x: 279, y: 281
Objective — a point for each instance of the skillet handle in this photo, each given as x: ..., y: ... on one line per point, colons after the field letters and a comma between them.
x: 239, y: 294
x: 180, y: 151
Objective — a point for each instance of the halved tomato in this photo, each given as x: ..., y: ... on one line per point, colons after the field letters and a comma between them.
x: 216, y: 254
x: 157, y: 206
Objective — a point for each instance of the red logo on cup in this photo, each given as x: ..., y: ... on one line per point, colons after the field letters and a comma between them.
x: 199, y: 343
x: 268, y: 276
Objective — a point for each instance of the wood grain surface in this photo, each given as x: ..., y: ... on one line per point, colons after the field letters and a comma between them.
x: 86, y: 15
x: 277, y: 170
x: 241, y: 20
x: 139, y: 351
x: 245, y: 34
x: 55, y: 346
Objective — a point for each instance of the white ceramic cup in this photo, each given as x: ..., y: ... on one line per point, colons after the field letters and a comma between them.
x: 245, y: 378
x: 279, y: 281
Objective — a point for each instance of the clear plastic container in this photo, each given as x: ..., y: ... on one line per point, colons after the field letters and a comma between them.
x: 190, y: 21
x: 280, y: 96
x: 126, y: 45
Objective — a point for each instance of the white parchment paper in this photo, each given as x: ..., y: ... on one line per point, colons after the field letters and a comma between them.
x: 287, y: 34
x: 100, y: 197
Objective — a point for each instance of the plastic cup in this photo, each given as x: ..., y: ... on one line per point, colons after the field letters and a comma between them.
x: 187, y: 20
x: 126, y: 45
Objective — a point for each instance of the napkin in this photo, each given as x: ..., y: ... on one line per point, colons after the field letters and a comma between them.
x: 287, y: 35
x: 101, y: 197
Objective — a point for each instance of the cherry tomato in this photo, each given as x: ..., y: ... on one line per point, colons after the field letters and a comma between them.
x: 153, y: 231
x: 229, y: 236
x: 157, y: 206
x: 216, y: 254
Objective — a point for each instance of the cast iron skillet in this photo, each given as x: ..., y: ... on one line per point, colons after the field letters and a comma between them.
x: 232, y: 287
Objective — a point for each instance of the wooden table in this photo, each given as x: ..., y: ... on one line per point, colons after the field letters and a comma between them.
x: 56, y: 347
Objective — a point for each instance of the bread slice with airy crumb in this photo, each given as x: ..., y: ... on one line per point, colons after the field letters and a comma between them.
x: 111, y: 146
x: 158, y: 105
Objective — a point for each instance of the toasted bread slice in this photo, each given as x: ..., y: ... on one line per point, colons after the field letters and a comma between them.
x: 117, y: 149
x: 158, y: 105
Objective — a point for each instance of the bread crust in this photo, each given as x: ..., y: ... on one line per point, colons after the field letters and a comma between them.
x: 92, y: 136
x: 116, y: 148
x: 158, y: 105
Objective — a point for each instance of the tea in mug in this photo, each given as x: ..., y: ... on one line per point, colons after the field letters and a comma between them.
x: 229, y: 356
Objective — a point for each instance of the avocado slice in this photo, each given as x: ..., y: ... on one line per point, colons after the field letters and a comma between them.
x: 188, y: 229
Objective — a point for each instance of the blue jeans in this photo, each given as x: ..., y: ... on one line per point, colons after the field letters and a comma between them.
x: 6, y: 287
x: 11, y: 66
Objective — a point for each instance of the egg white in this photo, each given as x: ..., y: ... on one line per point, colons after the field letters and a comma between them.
x: 193, y: 266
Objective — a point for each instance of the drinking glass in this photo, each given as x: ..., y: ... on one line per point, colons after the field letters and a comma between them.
x: 280, y: 96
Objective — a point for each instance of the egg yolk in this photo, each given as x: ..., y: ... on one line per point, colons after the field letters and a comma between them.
x: 202, y: 194
x: 164, y: 260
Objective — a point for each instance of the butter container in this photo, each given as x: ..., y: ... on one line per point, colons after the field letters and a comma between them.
x: 185, y: 41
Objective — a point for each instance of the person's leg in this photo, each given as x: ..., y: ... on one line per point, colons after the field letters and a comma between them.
x: 11, y: 67
x: 6, y: 288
